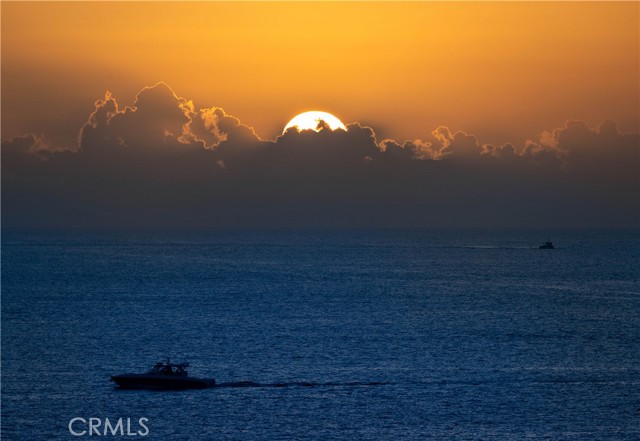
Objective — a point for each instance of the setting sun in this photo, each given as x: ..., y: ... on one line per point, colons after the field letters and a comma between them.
x: 311, y: 121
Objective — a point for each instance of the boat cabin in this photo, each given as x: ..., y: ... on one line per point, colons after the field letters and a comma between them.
x: 179, y: 370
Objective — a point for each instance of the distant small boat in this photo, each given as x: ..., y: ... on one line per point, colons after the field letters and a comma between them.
x: 163, y: 376
x: 546, y: 246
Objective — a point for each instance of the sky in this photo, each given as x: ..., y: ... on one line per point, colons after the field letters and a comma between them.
x: 459, y: 114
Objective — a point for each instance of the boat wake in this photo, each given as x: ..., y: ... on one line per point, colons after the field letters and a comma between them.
x: 495, y: 247
x: 235, y: 384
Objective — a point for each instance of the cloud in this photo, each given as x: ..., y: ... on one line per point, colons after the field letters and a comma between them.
x: 416, y: 149
x: 506, y: 152
x: 214, y: 127
x: 158, y: 121
x: 162, y: 162
x: 23, y: 155
x: 325, y: 152
x: 29, y: 145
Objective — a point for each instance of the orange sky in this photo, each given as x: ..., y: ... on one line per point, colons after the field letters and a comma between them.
x: 502, y: 71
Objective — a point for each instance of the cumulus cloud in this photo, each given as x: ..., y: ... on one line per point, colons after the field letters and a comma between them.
x: 416, y: 149
x: 29, y: 145
x: 214, y: 127
x: 162, y: 162
x: 23, y: 155
x: 158, y: 121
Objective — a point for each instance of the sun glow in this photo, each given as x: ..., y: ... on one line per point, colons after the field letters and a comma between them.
x: 312, y: 121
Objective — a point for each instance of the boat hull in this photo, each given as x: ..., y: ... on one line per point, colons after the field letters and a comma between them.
x: 161, y: 382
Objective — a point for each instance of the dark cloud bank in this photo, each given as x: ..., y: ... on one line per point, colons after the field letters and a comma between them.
x: 162, y: 163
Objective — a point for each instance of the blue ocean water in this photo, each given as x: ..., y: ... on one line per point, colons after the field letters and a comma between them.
x: 326, y: 335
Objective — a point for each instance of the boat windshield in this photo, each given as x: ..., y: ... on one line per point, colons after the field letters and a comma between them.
x: 169, y: 369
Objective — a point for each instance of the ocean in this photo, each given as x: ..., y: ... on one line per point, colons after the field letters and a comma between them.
x: 324, y: 335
